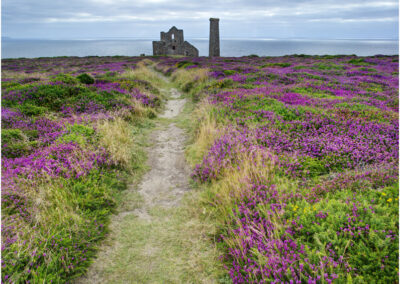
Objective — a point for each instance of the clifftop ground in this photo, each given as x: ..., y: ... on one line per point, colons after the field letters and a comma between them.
x: 294, y: 167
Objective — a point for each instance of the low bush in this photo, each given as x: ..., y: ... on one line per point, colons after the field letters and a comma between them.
x: 359, y: 62
x: 85, y: 79
x: 278, y: 64
x: 78, y: 133
x: 32, y: 110
x: 184, y: 64
x: 229, y: 72
x: 65, y: 78
x: 16, y: 143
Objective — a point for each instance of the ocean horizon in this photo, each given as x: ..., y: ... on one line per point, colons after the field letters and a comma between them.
x: 230, y: 47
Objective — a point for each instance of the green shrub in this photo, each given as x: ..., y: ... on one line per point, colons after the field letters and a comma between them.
x: 31, y: 134
x: 18, y: 149
x: 15, y: 135
x: 359, y: 62
x: 56, y: 96
x: 32, y: 110
x: 313, y: 167
x: 356, y: 60
x: 9, y: 84
x: 299, y: 67
x: 278, y: 64
x: 368, y: 69
x: 65, y: 78
x: 184, y: 64
x: 371, y: 251
x: 255, y: 103
x: 251, y: 79
x: 11, y: 136
x: 356, y: 107
x: 279, y: 108
x: 247, y: 86
x: 327, y: 66
x: 85, y: 78
x: 309, y: 91
x: 53, y: 97
x: 72, y: 137
x: 227, y: 83
x: 16, y: 143
x: 81, y: 129
x: 78, y: 133
x: 229, y: 72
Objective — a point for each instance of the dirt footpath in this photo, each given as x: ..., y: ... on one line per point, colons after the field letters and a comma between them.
x: 153, y: 239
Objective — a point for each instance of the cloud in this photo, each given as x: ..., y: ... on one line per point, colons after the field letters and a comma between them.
x: 358, y: 20
x: 234, y: 15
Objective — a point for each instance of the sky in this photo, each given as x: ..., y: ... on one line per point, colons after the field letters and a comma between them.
x: 93, y: 19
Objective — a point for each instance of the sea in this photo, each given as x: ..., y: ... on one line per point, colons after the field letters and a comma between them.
x: 31, y: 48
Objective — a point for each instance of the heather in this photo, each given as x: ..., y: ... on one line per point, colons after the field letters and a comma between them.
x: 61, y: 175
x: 298, y: 157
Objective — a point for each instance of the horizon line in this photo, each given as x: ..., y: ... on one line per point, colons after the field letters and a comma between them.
x: 196, y: 38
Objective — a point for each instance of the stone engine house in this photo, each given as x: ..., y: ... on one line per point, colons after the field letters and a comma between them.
x: 172, y: 43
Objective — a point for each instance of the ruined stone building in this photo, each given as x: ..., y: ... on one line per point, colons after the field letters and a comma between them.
x: 172, y: 43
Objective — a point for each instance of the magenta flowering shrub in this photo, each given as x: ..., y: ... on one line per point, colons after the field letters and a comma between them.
x: 331, y: 126
x: 58, y: 184
x: 327, y: 212
x: 12, y: 118
x: 62, y: 160
x: 75, y: 65
x: 224, y: 155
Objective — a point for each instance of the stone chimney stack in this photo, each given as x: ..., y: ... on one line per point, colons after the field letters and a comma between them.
x: 214, y: 37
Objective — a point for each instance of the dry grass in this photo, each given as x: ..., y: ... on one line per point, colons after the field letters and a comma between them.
x: 143, y: 71
x: 206, y: 132
x: 20, y: 75
x: 186, y: 79
x: 221, y: 197
x: 116, y: 137
x: 139, y: 113
x: 49, y: 199
x: 236, y: 181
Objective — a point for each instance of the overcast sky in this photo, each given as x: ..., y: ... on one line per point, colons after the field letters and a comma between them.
x: 323, y: 19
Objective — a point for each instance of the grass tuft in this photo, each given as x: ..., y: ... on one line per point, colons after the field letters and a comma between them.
x: 118, y: 140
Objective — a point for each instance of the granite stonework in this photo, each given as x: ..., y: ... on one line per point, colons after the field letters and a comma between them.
x: 172, y: 43
x: 214, y: 37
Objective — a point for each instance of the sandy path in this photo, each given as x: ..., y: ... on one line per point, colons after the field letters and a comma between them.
x: 167, y: 180
x: 152, y: 239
